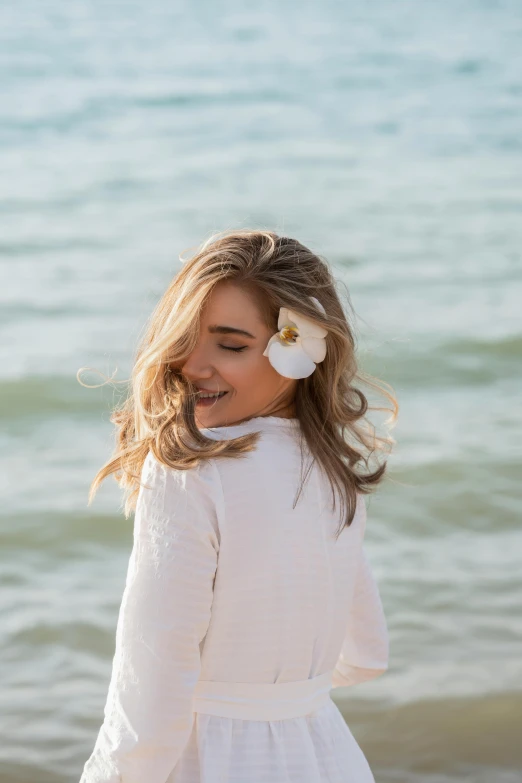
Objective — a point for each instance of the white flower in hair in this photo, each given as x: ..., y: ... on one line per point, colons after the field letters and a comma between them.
x: 299, y: 344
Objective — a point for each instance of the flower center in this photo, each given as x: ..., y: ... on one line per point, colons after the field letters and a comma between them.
x: 288, y: 335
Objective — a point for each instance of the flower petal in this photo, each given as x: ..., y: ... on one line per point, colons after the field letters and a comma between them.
x: 315, y: 347
x: 290, y: 361
x: 272, y: 340
x: 307, y: 328
x: 318, y: 303
x: 284, y: 318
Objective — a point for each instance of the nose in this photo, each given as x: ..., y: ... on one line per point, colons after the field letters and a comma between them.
x: 196, y: 367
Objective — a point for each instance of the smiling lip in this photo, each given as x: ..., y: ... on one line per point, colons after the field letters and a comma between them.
x: 205, y: 401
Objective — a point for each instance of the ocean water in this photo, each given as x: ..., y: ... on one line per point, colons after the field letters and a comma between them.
x: 387, y: 137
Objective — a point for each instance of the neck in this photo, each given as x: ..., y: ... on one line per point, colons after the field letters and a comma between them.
x: 284, y: 411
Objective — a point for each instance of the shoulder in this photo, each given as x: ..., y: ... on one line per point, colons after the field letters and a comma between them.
x: 165, y: 491
x: 175, y: 499
x: 162, y: 477
x: 360, y: 509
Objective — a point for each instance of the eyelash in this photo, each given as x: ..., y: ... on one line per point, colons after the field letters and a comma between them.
x: 228, y: 348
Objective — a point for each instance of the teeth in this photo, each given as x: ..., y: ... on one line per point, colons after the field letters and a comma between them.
x: 215, y: 394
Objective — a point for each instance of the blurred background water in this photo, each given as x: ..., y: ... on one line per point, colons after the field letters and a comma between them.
x: 388, y: 138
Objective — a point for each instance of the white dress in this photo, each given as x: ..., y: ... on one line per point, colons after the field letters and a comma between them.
x: 239, y: 615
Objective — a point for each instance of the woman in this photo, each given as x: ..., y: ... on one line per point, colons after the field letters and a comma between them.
x: 245, y: 602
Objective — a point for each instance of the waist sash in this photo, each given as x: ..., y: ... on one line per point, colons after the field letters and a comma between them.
x: 262, y: 701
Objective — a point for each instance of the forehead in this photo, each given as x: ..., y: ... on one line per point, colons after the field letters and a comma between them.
x: 230, y: 303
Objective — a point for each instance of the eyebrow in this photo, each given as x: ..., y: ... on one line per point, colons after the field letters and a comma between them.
x: 215, y: 329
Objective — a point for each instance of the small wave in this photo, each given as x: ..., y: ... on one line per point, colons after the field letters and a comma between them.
x: 461, y: 362
x: 438, y: 734
x: 17, y: 249
x: 64, y: 534
x: 42, y: 396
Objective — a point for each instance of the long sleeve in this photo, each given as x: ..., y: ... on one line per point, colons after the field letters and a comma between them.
x: 365, y: 651
x: 164, y: 616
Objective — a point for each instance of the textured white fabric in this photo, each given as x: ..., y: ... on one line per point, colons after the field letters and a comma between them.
x: 228, y: 583
x: 262, y: 700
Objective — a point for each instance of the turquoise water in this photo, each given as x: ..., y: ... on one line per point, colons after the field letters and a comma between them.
x: 387, y: 137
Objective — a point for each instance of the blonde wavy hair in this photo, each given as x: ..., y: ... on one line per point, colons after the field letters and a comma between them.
x: 158, y: 413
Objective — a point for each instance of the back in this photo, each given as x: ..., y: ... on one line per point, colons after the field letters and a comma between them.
x: 284, y: 586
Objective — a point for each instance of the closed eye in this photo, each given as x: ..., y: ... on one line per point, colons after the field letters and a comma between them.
x: 228, y: 348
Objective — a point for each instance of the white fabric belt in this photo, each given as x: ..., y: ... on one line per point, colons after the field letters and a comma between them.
x: 262, y: 701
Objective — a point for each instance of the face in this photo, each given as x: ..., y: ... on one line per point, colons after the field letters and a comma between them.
x: 229, y: 358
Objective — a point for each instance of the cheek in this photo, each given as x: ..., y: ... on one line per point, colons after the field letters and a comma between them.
x: 253, y: 375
